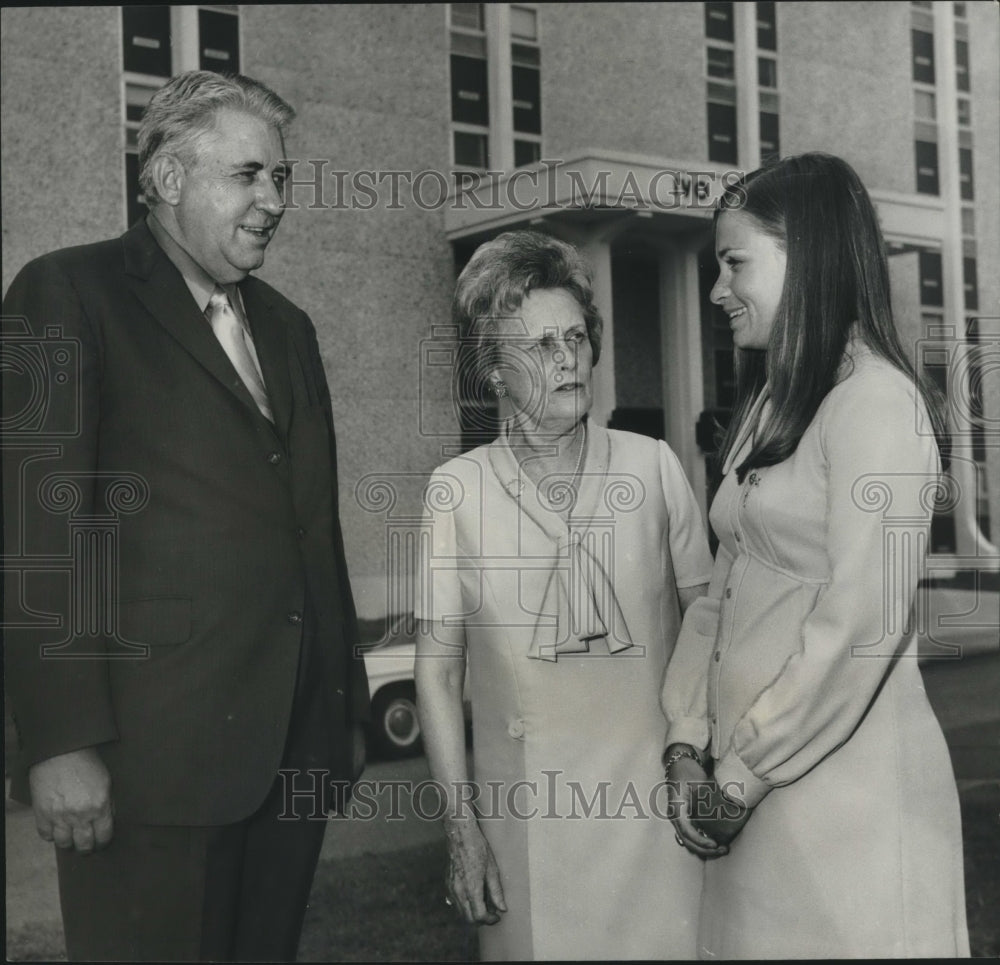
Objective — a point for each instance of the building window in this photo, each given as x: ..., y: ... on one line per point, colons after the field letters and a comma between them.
x: 767, y: 83
x: 721, y: 64
x: 924, y: 105
x: 970, y: 283
x: 467, y: 15
x: 931, y: 280
x: 767, y: 72
x: 146, y: 41
x: 526, y: 85
x: 469, y: 92
x: 155, y: 43
x: 968, y: 221
x: 720, y: 73
x: 767, y: 32
x: 965, y: 174
x: 470, y: 150
x: 719, y: 21
x: 964, y: 112
x: 770, y: 144
x: 923, y: 56
x: 470, y: 105
x: 962, y: 65
x: 219, y: 41
x: 928, y: 181
x: 934, y: 364
x: 722, y: 133
x: 473, y: 47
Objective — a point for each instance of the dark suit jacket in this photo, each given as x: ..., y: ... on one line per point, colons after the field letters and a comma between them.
x: 148, y: 503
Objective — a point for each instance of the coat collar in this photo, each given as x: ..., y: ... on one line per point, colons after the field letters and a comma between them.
x: 558, y: 507
x: 579, y: 604
x: 744, y: 439
x: 162, y: 290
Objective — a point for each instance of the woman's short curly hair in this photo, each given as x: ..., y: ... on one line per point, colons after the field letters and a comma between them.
x: 504, y: 271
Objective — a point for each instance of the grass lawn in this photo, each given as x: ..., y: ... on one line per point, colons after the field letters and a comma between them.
x: 981, y: 839
x: 385, y: 908
x: 390, y: 906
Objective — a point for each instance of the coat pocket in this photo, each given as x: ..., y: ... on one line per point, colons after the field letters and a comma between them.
x: 157, y: 622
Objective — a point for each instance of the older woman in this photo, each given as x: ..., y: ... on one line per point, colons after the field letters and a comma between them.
x: 563, y: 556
x: 831, y: 819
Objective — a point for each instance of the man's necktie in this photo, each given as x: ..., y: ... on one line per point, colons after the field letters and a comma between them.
x: 233, y: 337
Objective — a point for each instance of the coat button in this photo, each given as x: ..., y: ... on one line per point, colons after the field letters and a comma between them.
x: 729, y: 593
x: 516, y: 729
x: 718, y: 656
x: 300, y: 532
x: 295, y: 617
x: 274, y: 458
x: 738, y: 538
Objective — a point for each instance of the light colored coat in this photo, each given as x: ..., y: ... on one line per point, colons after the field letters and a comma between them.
x: 799, y: 671
x: 571, y: 740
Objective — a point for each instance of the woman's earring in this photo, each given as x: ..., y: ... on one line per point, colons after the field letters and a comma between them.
x: 499, y: 388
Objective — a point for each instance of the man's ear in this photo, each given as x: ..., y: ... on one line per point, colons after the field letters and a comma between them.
x: 168, y: 176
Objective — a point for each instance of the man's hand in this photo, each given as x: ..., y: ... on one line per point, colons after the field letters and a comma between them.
x: 71, y: 797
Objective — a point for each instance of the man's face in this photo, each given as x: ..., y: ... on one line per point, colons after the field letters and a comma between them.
x: 231, y: 196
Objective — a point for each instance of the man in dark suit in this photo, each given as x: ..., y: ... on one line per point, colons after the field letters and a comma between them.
x: 180, y: 627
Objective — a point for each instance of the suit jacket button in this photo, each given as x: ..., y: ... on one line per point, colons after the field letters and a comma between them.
x: 300, y: 532
x: 274, y: 458
x: 295, y: 617
x: 718, y: 656
x: 516, y: 729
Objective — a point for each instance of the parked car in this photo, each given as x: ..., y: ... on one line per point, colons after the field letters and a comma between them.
x: 395, y: 728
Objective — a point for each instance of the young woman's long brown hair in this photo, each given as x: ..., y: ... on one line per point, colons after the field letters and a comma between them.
x: 836, y: 286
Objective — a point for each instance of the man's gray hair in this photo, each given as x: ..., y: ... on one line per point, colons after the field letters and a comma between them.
x: 185, y: 108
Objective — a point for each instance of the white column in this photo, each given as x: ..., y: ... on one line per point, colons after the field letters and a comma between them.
x: 681, y: 365
x: 969, y: 541
x: 597, y: 251
x: 747, y: 100
x: 501, y: 90
x: 184, y: 38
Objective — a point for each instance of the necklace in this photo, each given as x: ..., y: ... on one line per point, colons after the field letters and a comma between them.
x: 557, y: 493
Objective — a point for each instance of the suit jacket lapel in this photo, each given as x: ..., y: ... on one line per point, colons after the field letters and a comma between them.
x: 161, y: 289
x: 271, y: 341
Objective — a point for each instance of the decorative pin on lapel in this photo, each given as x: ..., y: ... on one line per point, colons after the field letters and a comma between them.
x: 752, y: 480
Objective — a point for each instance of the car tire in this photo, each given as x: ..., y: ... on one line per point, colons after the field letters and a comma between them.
x: 395, y: 727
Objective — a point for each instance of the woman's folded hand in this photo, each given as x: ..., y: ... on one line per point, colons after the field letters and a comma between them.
x: 686, y: 784
x: 718, y: 816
